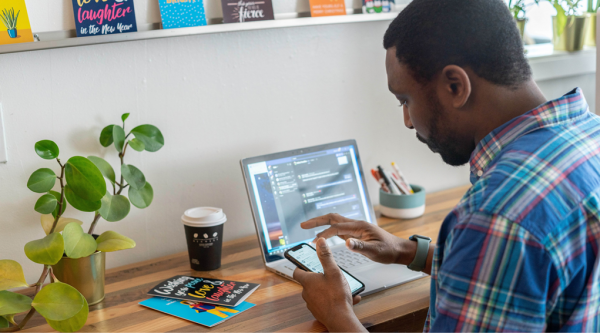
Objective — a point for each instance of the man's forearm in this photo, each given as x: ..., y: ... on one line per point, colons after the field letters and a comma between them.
x: 346, y: 322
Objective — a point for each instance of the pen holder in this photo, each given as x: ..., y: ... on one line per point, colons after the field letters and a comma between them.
x: 403, y: 206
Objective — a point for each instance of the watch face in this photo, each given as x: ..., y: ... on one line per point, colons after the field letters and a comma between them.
x: 414, y: 237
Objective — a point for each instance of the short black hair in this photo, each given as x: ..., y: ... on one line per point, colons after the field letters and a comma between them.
x: 480, y: 34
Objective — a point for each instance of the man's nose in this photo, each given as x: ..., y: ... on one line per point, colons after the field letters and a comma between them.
x: 407, y: 122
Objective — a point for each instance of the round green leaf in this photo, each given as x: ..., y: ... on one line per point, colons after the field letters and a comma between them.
x: 141, y: 198
x: 41, y: 180
x: 11, y: 275
x: 114, y: 207
x: 64, y: 204
x: 104, y: 167
x: 124, y: 116
x: 136, y: 144
x: 46, y: 251
x: 119, y: 137
x: 85, y: 179
x: 81, y: 204
x: 134, y: 177
x: 58, y: 301
x: 106, y: 136
x: 46, y: 149
x: 3, y: 322
x: 11, y: 303
x: 74, y: 323
x: 46, y: 204
x: 48, y: 220
x: 111, y: 241
x: 77, y: 243
x: 151, y: 137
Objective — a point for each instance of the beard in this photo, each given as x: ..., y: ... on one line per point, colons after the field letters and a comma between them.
x: 448, y: 146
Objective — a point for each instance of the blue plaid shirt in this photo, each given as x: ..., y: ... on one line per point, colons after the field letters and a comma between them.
x: 520, y: 250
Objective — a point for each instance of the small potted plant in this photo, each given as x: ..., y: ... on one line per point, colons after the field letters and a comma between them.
x: 9, y: 19
x: 73, y: 259
x: 592, y: 9
x: 569, y: 29
x: 517, y: 8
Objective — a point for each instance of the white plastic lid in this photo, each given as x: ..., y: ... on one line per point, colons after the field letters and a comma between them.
x: 203, y: 217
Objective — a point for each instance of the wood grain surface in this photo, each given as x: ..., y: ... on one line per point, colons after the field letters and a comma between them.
x: 279, y: 302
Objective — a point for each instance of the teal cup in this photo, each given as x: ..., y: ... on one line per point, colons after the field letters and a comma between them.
x: 403, y: 206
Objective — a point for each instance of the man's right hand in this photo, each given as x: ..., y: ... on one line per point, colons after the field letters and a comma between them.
x: 365, y: 238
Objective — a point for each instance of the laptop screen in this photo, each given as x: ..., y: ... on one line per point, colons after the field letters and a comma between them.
x: 289, y: 188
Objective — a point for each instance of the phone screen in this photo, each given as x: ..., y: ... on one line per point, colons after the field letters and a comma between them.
x: 308, y: 257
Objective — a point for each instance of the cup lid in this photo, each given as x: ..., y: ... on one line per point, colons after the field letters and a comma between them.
x: 203, y: 216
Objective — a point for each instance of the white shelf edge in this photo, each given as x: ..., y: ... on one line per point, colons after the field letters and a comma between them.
x: 207, y: 29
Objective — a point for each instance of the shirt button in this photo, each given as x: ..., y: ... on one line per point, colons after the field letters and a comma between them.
x: 479, y: 173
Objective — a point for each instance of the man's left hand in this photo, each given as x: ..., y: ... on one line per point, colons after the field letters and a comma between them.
x: 328, y: 295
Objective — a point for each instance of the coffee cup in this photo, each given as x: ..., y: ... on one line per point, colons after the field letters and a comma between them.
x: 204, y: 235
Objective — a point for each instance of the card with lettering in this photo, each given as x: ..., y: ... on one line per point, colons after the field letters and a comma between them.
x: 197, y: 312
x: 182, y: 13
x: 247, y: 11
x: 14, y: 22
x: 103, y: 17
x: 327, y: 7
x: 205, y: 290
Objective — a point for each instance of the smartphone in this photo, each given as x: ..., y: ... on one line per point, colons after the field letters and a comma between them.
x: 305, y: 257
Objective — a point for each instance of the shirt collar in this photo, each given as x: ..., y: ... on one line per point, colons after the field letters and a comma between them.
x: 552, y: 113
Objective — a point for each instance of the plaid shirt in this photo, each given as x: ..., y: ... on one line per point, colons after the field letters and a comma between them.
x: 520, y: 250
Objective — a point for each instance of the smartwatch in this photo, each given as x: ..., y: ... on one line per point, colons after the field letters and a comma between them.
x: 418, y: 263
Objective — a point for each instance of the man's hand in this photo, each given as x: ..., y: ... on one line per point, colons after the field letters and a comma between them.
x: 365, y: 238
x: 328, y: 295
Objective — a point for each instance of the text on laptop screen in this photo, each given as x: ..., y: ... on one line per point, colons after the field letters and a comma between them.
x: 291, y: 190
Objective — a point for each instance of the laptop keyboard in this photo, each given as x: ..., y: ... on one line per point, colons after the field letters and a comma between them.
x: 349, y: 260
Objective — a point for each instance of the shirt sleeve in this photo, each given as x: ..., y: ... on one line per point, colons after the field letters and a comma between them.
x: 493, y: 276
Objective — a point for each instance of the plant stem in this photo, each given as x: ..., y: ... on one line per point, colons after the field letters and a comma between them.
x: 122, y: 156
x: 93, y: 226
x: 62, y: 196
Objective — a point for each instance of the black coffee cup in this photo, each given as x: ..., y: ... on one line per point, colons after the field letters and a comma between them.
x: 204, y: 235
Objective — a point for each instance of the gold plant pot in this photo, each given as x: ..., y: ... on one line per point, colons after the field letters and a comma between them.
x: 590, y: 39
x: 573, y: 36
x: 84, y: 274
x: 521, y: 26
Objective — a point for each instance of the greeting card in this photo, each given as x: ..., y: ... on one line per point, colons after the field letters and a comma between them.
x: 247, y: 11
x: 182, y: 13
x: 14, y: 27
x: 327, y: 7
x: 103, y: 17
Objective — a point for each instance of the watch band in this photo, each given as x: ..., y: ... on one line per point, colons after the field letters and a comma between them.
x: 418, y: 263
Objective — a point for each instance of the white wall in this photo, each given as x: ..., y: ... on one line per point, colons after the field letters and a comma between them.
x: 217, y: 98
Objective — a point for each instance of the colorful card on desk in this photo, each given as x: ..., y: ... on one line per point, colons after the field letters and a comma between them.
x: 198, y: 312
x: 247, y: 11
x: 212, y: 291
x: 106, y: 17
x: 182, y: 13
x: 378, y: 6
x: 327, y: 8
x: 14, y: 27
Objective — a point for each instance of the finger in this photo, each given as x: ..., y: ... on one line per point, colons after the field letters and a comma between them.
x: 360, y: 246
x: 356, y: 299
x: 329, y: 219
x: 326, y: 257
x: 352, y: 229
x: 300, y: 275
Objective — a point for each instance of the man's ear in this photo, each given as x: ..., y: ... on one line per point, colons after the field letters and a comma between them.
x: 455, y: 85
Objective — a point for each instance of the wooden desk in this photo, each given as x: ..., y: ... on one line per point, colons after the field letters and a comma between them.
x: 279, y: 302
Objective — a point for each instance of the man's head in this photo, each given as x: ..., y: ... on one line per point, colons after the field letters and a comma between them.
x: 441, y: 54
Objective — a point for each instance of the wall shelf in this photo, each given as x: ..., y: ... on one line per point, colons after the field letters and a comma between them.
x: 60, y: 39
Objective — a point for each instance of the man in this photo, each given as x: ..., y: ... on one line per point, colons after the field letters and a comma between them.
x: 520, y: 251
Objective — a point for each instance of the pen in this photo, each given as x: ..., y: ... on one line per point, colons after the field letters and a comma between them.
x: 377, y: 177
x: 395, y: 166
x: 386, y: 180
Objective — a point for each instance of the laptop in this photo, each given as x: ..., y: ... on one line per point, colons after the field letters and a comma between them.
x: 288, y: 188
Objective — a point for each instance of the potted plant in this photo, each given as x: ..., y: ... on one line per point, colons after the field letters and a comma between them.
x: 569, y: 29
x: 517, y: 8
x: 590, y: 39
x: 9, y: 19
x: 73, y: 259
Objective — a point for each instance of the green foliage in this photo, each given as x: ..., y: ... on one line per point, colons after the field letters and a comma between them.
x: 64, y: 204
x: 141, y: 198
x: 85, y: 179
x: 111, y: 241
x: 119, y: 137
x: 58, y: 301
x: 79, y: 203
x: 11, y: 275
x: 77, y: 243
x: 46, y: 251
x: 9, y: 19
x: 124, y: 116
x: 114, y: 207
x: 134, y: 177
x: 106, y: 136
x: 74, y: 323
x: 48, y: 220
x: 46, y: 204
x: 41, y: 180
x: 137, y: 145
x: 3, y: 322
x: 104, y: 167
x: 151, y: 137
x: 46, y: 149
x: 13, y: 303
